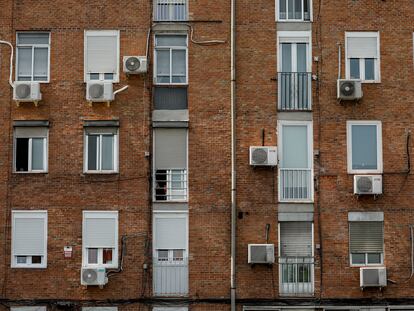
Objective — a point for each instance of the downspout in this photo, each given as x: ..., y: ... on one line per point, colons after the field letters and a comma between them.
x: 233, y: 155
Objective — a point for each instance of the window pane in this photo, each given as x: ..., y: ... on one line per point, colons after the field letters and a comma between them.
x: 37, y: 153
x: 94, y: 76
x: 171, y: 40
x: 358, y: 259
x: 107, y: 152
x: 92, y: 255
x: 24, y: 62
x: 295, y: 146
x: 298, y: 9
x: 374, y: 258
x: 107, y: 256
x: 364, y: 147
x: 21, y: 259
x: 176, y: 179
x: 36, y: 259
x: 41, y: 64
x: 178, y: 63
x: 301, y: 57
x: 282, y: 9
x: 92, y: 152
x: 178, y: 255
x: 369, y: 69
x: 354, y: 68
x: 286, y: 57
x: 22, y: 154
x: 162, y: 255
x: 306, y: 11
x: 33, y: 38
x: 108, y: 76
x: 163, y: 62
x: 161, y: 185
x: 291, y: 8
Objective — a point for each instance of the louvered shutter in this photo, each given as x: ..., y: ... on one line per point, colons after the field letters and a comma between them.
x: 170, y: 148
x: 29, y: 233
x: 362, y: 47
x: 101, y: 51
x: 366, y: 237
x: 100, y: 229
x: 296, y: 239
x: 170, y: 232
x: 27, y: 132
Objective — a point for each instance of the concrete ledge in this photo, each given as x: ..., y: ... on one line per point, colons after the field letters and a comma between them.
x: 168, y: 206
x: 295, y: 208
x: 295, y: 217
x: 166, y: 27
x: 293, y: 26
x: 366, y: 216
x: 294, y: 116
x: 31, y: 123
x: 100, y: 123
x: 170, y: 115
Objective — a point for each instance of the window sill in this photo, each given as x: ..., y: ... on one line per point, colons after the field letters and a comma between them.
x: 292, y: 21
x: 368, y: 265
x: 365, y: 172
x: 100, y: 173
x: 24, y: 173
x: 28, y: 267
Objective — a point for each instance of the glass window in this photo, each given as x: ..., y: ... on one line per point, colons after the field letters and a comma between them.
x: 358, y: 259
x: 369, y: 69
x: 92, y: 256
x: 101, y: 152
x: 171, y: 59
x: 366, y: 242
x: 33, y: 56
x: 354, y: 68
x: 295, y: 146
x: 30, y: 152
x: 294, y: 10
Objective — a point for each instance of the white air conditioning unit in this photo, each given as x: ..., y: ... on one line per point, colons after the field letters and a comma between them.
x: 349, y: 89
x: 367, y: 184
x: 373, y: 277
x: 93, y: 276
x: 261, y: 254
x: 263, y: 156
x: 135, y: 64
x: 97, y: 91
x: 27, y: 91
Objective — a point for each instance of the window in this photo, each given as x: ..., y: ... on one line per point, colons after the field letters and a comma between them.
x: 170, y: 165
x: 295, y: 161
x: 101, y: 150
x: 366, y: 242
x: 294, y: 10
x: 362, y: 56
x: 33, y: 56
x: 364, y: 142
x: 29, y: 239
x: 30, y: 149
x: 99, y: 308
x: 170, y: 309
x: 170, y: 59
x: 27, y: 308
x: 100, y: 239
x: 102, y: 55
x: 170, y: 10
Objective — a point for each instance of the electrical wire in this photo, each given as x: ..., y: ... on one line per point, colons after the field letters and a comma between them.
x: 209, y: 42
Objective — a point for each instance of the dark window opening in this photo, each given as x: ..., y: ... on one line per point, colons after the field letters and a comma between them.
x: 161, y: 185
x: 22, y: 154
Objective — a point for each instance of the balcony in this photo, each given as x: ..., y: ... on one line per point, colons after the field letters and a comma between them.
x: 170, y: 10
x: 295, y: 185
x: 170, y: 278
x: 294, y: 91
x: 296, y: 276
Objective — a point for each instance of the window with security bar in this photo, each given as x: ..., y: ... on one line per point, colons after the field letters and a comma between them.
x: 170, y: 164
x: 294, y: 10
x: 170, y: 10
x: 366, y: 243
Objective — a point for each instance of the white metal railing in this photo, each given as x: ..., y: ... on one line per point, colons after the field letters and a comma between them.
x: 296, y: 276
x: 295, y: 184
x: 294, y: 91
x: 170, y: 185
x: 170, y: 278
x: 170, y: 10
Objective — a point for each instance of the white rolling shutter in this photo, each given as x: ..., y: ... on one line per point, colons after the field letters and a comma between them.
x: 29, y: 233
x: 26, y: 132
x: 170, y: 232
x: 100, y: 229
x: 296, y: 239
x: 27, y: 308
x: 170, y: 148
x: 362, y: 46
x: 366, y: 237
x: 99, y: 308
x: 101, y: 51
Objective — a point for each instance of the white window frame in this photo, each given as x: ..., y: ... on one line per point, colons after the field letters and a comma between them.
x: 31, y: 308
x: 309, y: 125
x: 29, y: 214
x: 99, y: 155
x: 349, y: 125
x: 33, y: 46
x: 99, y: 308
x: 45, y: 154
x: 366, y: 264
x: 100, y: 214
x: 170, y: 49
x: 294, y: 37
x: 96, y: 33
x: 277, y: 12
x: 377, y: 61
x: 170, y: 309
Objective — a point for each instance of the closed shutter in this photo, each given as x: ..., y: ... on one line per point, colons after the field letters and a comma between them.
x: 27, y: 308
x: 362, y: 47
x: 27, y: 132
x: 170, y: 232
x: 101, y: 51
x: 170, y: 148
x: 100, y: 229
x: 366, y: 237
x: 101, y: 130
x: 296, y: 239
x: 99, y: 308
x: 29, y: 233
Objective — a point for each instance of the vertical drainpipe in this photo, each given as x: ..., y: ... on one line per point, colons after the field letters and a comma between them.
x: 233, y: 156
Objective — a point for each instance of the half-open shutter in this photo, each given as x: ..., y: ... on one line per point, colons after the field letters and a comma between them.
x: 362, y: 47
x: 366, y: 237
x: 170, y: 148
x: 100, y: 229
x: 101, y: 51
x: 170, y: 232
x: 29, y: 233
x: 296, y: 239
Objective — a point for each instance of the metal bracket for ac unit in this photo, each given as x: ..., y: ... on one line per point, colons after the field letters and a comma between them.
x: 108, y: 103
x: 36, y: 103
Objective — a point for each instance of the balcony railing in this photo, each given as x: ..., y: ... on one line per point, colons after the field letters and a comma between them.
x: 170, y: 10
x: 170, y: 278
x: 295, y: 184
x: 296, y: 276
x: 294, y: 91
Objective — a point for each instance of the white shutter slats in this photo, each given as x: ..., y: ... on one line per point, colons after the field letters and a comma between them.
x: 296, y: 239
x: 170, y: 233
x: 100, y: 229
x: 29, y: 238
x: 101, y: 52
x: 362, y: 47
x: 366, y: 237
